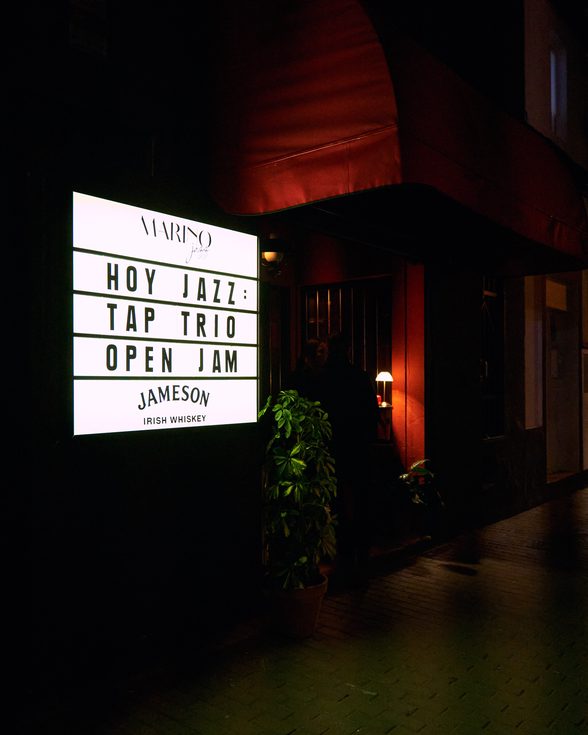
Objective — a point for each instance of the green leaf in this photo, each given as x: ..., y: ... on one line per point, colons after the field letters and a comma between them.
x: 299, y: 484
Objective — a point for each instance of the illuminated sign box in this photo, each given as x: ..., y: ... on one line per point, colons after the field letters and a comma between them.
x: 165, y: 316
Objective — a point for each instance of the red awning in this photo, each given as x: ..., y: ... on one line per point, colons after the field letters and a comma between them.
x: 313, y: 107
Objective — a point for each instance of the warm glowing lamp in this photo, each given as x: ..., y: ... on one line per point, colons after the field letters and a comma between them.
x: 270, y: 257
x: 272, y: 252
x: 384, y: 377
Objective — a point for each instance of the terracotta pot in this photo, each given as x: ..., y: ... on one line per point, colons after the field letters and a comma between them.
x: 295, y: 613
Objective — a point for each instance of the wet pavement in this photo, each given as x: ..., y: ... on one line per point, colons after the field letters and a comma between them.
x: 486, y: 633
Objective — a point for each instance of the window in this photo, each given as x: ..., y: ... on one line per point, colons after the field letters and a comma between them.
x: 361, y: 309
x: 558, y: 78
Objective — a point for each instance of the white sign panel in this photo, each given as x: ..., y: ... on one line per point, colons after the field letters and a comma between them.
x: 165, y: 314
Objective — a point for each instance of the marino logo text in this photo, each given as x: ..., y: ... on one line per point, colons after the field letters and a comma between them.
x: 199, y: 241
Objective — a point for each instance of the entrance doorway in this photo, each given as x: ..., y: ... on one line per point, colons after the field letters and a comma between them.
x: 563, y: 412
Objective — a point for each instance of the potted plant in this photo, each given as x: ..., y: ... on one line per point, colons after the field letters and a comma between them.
x: 422, y: 491
x: 299, y: 487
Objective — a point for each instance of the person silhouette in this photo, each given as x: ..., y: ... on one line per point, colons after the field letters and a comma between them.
x: 348, y: 396
x: 308, y: 374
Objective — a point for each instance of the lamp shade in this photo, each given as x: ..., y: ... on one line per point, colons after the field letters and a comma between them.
x: 272, y: 256
x: 384, y: 377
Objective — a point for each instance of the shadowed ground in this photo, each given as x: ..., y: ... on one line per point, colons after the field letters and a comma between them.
x: 486, y: 633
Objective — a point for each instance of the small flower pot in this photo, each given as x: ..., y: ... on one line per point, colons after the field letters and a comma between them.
x: 295, y: 613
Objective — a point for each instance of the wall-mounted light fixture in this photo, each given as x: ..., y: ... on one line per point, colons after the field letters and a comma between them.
x: 272, y: 253
x: 271, y: 257
x: 384, y: 377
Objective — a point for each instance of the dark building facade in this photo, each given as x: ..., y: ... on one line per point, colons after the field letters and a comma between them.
x: 417, y: 210
x: 440, y: 152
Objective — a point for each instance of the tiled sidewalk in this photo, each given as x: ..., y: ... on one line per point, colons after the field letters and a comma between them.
x: 484, y: 634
